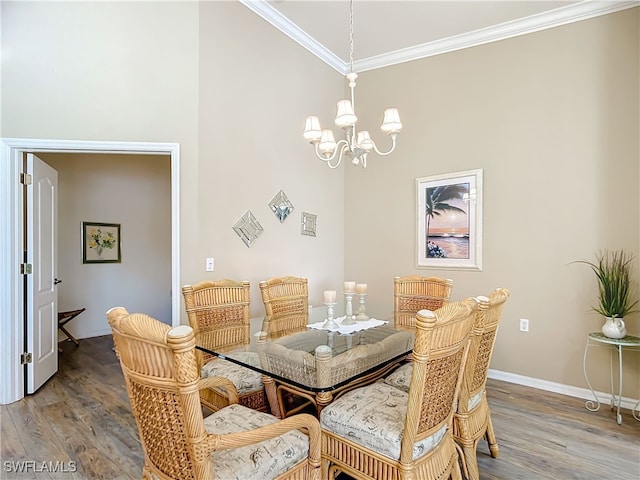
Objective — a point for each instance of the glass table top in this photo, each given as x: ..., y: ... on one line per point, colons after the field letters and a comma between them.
x: 316, y: 359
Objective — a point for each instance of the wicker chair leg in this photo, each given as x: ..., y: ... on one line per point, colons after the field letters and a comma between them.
x: 491, y: 439
x: 471, y: 462
x: 146, y: 473
x: 456, y: 474
x: 465, y: 470
x: 324, y: 469
x: 272, y: 396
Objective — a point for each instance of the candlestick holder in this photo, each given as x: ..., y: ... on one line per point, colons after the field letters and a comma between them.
x: 330, y: 323
x: 362, y: 316
x: 348, y: 309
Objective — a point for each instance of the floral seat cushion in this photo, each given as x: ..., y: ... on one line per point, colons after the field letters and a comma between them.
x: 264, y: 460
x: 373, y: 416
x: 401, y: 378
x: 244, y: 379
x: 475, y: 400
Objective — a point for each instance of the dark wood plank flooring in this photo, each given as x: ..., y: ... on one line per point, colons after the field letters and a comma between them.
x: 82, y: 417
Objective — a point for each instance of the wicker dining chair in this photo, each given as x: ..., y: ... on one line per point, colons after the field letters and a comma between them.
x: 379, y: 432
x: 413, y: 293
x: 162, y: 377
x: 286, y: 305
x: 472, y: 419
x: 218, y: 311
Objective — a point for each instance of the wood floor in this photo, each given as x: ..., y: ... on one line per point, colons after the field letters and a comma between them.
x: 81, y: 420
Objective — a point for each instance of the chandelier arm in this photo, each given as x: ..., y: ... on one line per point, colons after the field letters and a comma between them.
x: 382, y: 154
x: 337, y: 164
x: 340, y: 145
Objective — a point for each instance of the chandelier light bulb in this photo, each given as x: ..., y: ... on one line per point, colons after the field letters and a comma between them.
x: 327, y: 144
x: 391, y: 122
x: 345, y: 116
x: 364, y: 141
x: 312, y: 130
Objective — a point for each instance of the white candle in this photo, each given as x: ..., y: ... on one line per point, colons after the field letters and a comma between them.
x: 349, y: 287
x: 329, y: 296
x: 361, y: 288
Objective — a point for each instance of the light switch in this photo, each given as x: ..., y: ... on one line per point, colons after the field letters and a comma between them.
x: 210, y: 265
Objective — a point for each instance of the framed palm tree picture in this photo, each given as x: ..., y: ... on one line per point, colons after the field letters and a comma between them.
x: 449, y: 223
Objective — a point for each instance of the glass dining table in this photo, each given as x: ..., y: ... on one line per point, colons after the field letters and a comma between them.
x: 316, y: 364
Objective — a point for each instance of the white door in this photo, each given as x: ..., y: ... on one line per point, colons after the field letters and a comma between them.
x: 42, y: 296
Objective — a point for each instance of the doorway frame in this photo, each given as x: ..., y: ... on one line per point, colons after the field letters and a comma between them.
x: 11, y: 231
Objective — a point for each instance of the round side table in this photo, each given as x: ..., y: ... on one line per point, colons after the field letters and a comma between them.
x: 597, y: 339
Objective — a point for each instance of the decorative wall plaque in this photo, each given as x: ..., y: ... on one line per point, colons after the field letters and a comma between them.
x: 281, y: 206
x: 308, y: 224
x: 248, y: 228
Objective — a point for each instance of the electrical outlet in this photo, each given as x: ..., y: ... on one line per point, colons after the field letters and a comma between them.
x: 524, y: 324
x: 209, y: 265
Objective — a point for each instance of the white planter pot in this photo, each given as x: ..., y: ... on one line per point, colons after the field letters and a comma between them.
x: 614, y: 328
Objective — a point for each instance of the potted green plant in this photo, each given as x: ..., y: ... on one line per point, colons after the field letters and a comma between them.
x: 613, y: 270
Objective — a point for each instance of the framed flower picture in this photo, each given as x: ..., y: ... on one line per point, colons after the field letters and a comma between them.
x: 449, y: 223
x: 101, y: 243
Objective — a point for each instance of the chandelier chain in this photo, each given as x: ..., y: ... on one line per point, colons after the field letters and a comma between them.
x: 351, y: 35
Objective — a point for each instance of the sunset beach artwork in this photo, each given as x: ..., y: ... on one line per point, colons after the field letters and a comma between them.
x: 449, y: 220
x: 449, y: 228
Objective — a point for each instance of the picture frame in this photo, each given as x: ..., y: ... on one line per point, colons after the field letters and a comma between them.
x: 449, y: 221
x: 101, y: 242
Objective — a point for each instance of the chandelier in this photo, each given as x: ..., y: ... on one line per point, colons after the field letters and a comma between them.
x: 356, y: 145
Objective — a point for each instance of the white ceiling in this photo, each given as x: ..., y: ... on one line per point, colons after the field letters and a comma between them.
x: 389, y: 32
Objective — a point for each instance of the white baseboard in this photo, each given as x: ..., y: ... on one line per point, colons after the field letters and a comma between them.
x: 584, y: 393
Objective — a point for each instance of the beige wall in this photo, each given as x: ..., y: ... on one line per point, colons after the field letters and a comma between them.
x: 216, y: 79
x: 135, y: 192
x: 105, y: 71
x: 552, y: 119
x: 256, y: 88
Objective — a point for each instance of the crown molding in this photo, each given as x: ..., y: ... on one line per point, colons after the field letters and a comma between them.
x: 282, y: 23
x: 534, y: 23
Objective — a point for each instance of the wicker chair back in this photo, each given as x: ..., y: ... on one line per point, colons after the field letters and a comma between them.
x: 160, y: 369
x: 163, y: 379
x: 218, y: 312
x: 286, y: 305
x: 439, y: 355
x: 472, y: 419
x: 413, y: 293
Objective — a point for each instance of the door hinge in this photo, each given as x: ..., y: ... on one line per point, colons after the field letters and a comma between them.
x: 26, y: 269
x: 25, y: 358
x: 25, y: 178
